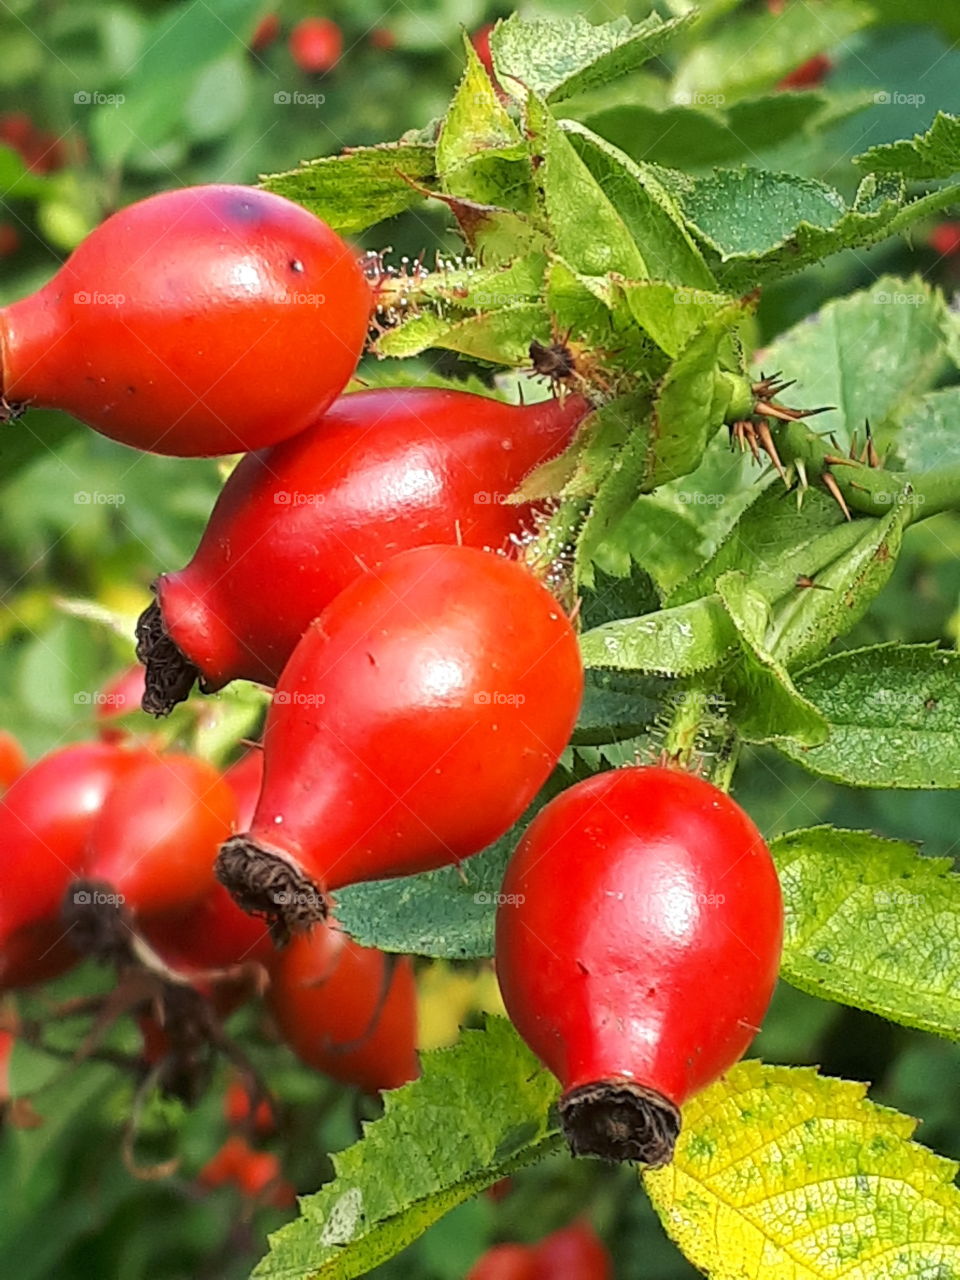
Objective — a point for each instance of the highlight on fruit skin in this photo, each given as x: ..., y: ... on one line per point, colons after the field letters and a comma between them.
x: 637, y: 948
x: 190, y: 323
x: 383, y: 470
x: 413, y: 725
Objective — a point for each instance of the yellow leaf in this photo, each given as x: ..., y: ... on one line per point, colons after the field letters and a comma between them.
x: 783, y: 1174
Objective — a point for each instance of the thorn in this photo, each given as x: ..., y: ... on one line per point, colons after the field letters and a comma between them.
x: 837, y: 460
x: 873, y: 458
x: 766, y: 440
x: 831, y: 482
x: 833, y: 440
x: 802, y: 473
x: 853, y: 445
x: 805, y: 582
x: 770, y: 410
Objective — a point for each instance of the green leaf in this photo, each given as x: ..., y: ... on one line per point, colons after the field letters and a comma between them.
x: 677, y: 642
x: 764, y: 225
x: 651, y: 532
x: 893, y: 712
x: 693, y: 398
x: 764, y: 703
x: 930, y: 435
x: 500, y: 337
x: 480, y: 1111
x: 934, y: 154
x: 16, y: 180
x: 618, y: 705
x: 869, y: 922
x: 480, y: 153
x: 771, y: 543
x: 705, y: 133
x: 806, y: 623
x: 649, y: 211
x: 360, y: 188
x: 869, y: 355
x: 755, y: 52
x: 787, y: 1175
x: 672, y: 314
x: 554, y: 59
x: 588, y: 231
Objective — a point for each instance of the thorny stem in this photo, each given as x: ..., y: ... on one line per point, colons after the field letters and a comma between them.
x: 699, y: 739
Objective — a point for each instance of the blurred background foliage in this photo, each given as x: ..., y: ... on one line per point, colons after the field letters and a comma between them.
x: 101, y: 103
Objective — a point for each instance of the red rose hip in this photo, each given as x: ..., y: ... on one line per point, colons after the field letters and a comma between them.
x: 382, y: 471
x: 639, y: 951
x: 414, y: 723
x: 204, y: 321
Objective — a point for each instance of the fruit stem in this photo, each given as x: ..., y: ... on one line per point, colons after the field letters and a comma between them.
x: 264, y: 883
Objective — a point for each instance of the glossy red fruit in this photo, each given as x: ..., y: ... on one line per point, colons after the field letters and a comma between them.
x: 572, y: 1253
x: 265, y: 32
x: 383, y: 471
x: 245, y: 778
x: 809, y: 74
x: 346, y: 1010
x: 414, y: 723
x: 505, y: 1262
x: 46, y: 818
x: 944, y: 239
x: 13, y: 760
x: 155, y: 839
x: 120, y: 696
x: 202, y: 321
x: 637, y: 950
x: 316, y: 45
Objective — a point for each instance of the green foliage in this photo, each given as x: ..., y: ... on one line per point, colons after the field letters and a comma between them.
x: 871, y: 923
x: 480, y: 1112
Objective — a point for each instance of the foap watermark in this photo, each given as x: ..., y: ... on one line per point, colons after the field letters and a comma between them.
x: 86, y: 698
x: 695, y: 298
x: 701, y: 499
x: 303, y: 299
x: 97, y: 898
x: 295, y: 98
x: 897, y: 299
x: 884, y: 98
x: 86, y: 498
x: 711, y: 899
x: 94, y: 98
x: 895, y: 898
x: 909, y: 498
x: 494, y: 698
x: 84, y: 298
x: 302, y: 898
x: 297, y: 699
x: 699, y: 98
x: 298, y: 498
x: 499, y: 899
x: 485, y: 499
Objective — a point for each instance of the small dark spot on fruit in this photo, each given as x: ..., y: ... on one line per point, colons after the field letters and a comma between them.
x: 131, y: 391
x: 371, y: 659
x: 296, y: 265
x: 651, y: 992
x: 242, y: 209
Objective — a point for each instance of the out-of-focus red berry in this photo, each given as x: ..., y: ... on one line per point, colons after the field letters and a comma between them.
x: 809, y: 74
x: 265, y: 32
x: 316, y: 45
x: 9, y: 239
x: 236, y: 1109
x: 13, y: 758
x: 120, y: 696
x: 945, y: 239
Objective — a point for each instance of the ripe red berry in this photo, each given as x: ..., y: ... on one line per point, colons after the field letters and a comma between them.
x: 414, y: 723
x: 944, y: 239
x: 809, y: 74
x: 155, y: 839
x: 383, y: 471
x: 505, y: 1262
x: 265, y: 32
x: 225, y: 1165
x: 46, y: 818
x: 202, y: 321
x: 639, y: 950
x: 316, y: 45
x: 13, y: 760
x: 40, y: 151
x: 346, y: 1010
x: 572, y: 1253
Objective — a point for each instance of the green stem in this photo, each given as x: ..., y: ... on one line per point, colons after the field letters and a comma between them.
x: 699, y: 740
x: 869, y: 490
